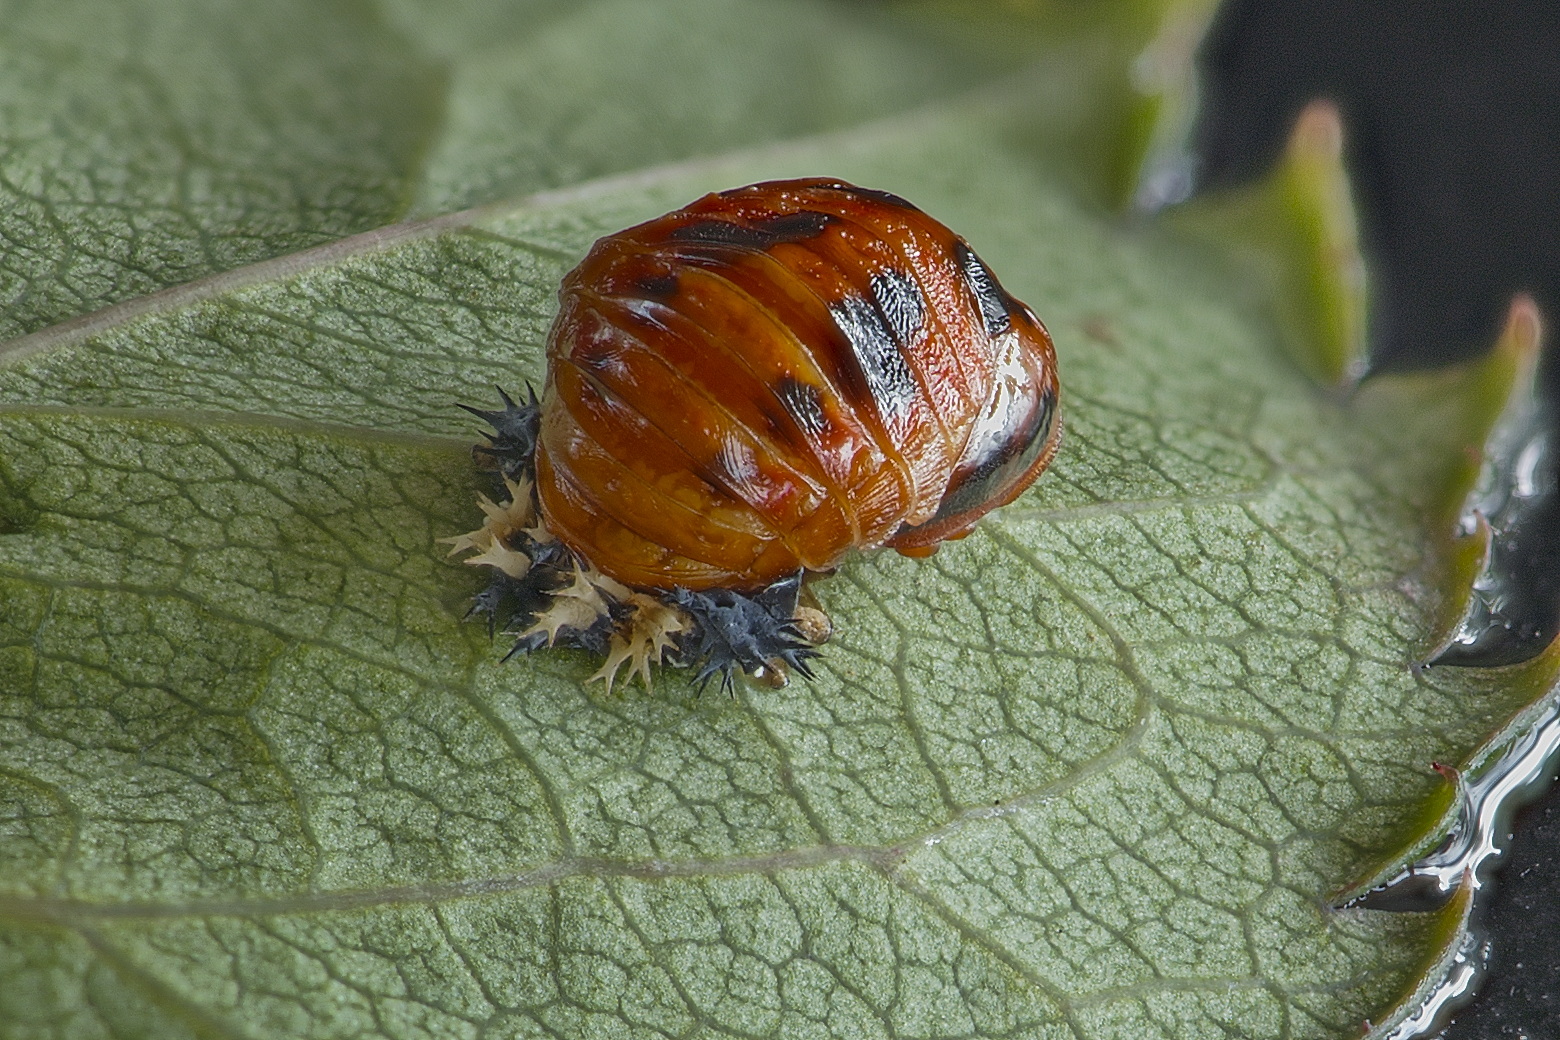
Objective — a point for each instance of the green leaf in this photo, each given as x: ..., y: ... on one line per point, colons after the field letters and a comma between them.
x: 147, y: 144
x: 1097, y: 771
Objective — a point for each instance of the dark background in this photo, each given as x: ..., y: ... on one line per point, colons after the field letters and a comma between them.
x: 1452, y: 119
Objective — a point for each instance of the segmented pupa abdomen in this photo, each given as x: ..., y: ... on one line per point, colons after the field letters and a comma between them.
x: 774, y: 375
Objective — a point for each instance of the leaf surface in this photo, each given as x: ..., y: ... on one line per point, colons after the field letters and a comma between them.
x: 1096, y: 771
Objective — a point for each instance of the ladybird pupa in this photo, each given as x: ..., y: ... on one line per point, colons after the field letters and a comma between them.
x: 738, y: 394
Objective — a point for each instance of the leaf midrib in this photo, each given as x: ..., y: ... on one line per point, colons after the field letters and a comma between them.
x: 886, y: 859
x: 188, y: 418
x: 1009, y: 89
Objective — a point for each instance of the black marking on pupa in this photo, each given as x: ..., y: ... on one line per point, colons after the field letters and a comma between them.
x: 887, y: 198
x: 804, y: 404
x: 758, y: 234
x: 994, y: 303
x: 899, y: 298
x: 887, y: 380
x: 657, y: 285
